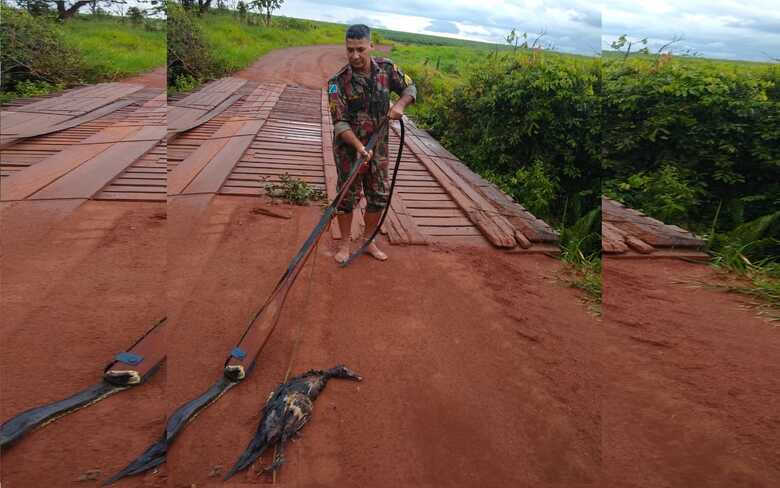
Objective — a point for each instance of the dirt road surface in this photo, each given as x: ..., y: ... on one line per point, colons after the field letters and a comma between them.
x: 307, y: 66
x: 482, y: 368
x: 478, y: 365
x: 76, y: 290
x: 691, y: 381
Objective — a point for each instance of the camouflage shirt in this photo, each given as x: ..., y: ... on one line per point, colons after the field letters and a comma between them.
x: 359, y: 102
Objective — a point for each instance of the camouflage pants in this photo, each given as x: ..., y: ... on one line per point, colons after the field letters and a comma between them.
x: 372, y: 182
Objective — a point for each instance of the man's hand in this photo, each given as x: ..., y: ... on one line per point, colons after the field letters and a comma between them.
x: 396, y: 112
x: 361, y: 151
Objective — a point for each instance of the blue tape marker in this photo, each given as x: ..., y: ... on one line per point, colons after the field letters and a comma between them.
x: 238, y: 353
x: 129, y: 358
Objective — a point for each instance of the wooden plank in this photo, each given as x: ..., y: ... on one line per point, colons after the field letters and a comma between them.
x: 292, y: 171
x: 495, y: 231
x: 158, y: 189
x: 435, y: 212
x: 282, y: 166
x: 411, y: 199
x: 74, y: 121
x: 293, y: 149
x: 192, y: 165
x: 509, y: 216
x: 90, y: 177
x: 395, y: 230
x: 240, y: 190
x: 411, y: 230
x: 612, y: 240
x: 424, y: 191
x: 214, y: 174
x: 123, y: 180
x: 262, y: 184
x: 639, y: 245
x: 451, y: 231
x: 38, y: 176
x: 135, y: 196
x: 443, y: 221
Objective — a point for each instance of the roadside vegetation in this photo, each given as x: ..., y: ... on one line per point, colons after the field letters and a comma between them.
x: 696, y: 143
x: 204, y: 46
x: 294, y: 191
x: 42, y: 54
x: 528, y: 121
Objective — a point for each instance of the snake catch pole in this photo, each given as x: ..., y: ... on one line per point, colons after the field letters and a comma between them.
x: 129, y: 368
x: 241, y: 360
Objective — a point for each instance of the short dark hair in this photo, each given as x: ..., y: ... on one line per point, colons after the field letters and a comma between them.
x: 359, y: 31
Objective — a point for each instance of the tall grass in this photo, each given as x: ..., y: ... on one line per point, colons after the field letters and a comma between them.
x: 581, y: 251
x: 235, y: 44
x: 112, y: 47
x: 750, y: 251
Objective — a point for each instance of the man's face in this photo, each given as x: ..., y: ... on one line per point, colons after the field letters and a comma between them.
x: 358, y: 53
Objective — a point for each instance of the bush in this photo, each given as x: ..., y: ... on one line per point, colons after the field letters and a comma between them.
x: 136, y: 15
x: 682, y: 139
x: 666, y: 194
x: 188, y: 54
x: 529, y: 123
x: 36, y: 88
x: 34, y: 50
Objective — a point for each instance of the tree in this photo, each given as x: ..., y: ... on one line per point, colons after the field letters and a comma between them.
x: 241, y: 9
x: 621, y: 41
x: 65, y: 8
x: 136, y: 15
x: 35, y: 7
x: 267, y: 5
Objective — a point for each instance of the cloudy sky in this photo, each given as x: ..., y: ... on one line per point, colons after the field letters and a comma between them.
x: 714, y: 28
x: 727, y: 29
x: 571, y: 25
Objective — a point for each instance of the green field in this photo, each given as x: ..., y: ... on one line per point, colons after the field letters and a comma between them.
x: 42, y: 55
x: 113, y: 48
x: 235, y: 44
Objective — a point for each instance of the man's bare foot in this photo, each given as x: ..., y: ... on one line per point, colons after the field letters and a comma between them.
x: 342, y: 255
x: 376, y: 252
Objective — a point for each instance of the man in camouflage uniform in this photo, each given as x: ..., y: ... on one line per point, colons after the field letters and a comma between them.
x: 359, y: 96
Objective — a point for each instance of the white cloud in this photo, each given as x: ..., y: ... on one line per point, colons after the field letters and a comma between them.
x: 742, y: 30
x: 745, y: 29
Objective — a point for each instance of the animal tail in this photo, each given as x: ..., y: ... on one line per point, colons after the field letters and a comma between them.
x: 152, y: 457
x: 254, y: 450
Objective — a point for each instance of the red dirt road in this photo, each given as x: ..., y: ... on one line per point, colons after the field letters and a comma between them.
x: 481, y: 368
x: 307, y: 66
x: 78, y: 288
x: 478, y: 365
x: 691, y: 381
x: 153, y: 79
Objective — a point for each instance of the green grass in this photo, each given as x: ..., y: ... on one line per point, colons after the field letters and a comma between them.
x: 110, y: 47
x: 113, y: 48
x: 580, y: 244
x: 294, y: 191
x: 759, y: 279
x: 426, y: 39
x: 725, y: 65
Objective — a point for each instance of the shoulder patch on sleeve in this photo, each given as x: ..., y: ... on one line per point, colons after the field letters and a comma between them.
x: 407, y: 80
x: 333, y: 88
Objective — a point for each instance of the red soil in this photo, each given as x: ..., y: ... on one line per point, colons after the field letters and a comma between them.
x: 307, y: 66
x: 691, y: 381
x: 478, y: 365
x: 481, y: 368
x: 78, y: 288
x: 153, y: 79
